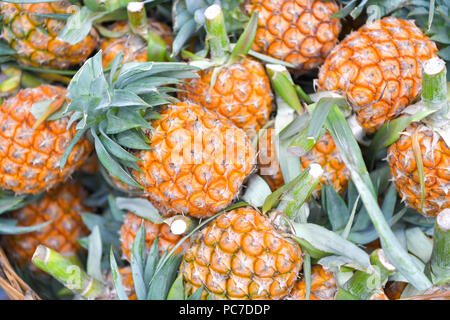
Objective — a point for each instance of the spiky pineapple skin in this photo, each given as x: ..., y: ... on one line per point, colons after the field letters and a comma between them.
x: 62, y: 206
x: 324, y: 152
x: 378, y: 69
x: 323, y: 286
x: 133, y: 47
x: 301, y: 32
x: 240, y: 255
x: 30, y: 158
x: 436, y: 162
x: 35, y: 38
x: 241, y: 94
x: 166, y: 239
x: 197, y: 162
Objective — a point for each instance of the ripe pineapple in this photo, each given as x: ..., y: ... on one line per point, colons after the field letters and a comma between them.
x: 241, y: 93
x: 166, y: 239
x: 62, y: 206
x: 323, y: 286
x: 435, y: 154
x: 324, y: 153
x: 35, y: 38
x: 197, y: 162
x: 30, y: 156
x: 378, y: 69
x: 240, y: 255
x: 133, y: 47
x: 236, y: 87
x: 300, y: 32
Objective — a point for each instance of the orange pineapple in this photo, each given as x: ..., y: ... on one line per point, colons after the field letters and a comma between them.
x: 240, y: 255
x: 166, y: 239
x: 323, y: 286
x: 62, y: 206
x: 435, y: 155
x: 241, y: 93
x: 30, y: 157
x: 301, y: 32
x: 324, y: 153
x: 35, y: 38
x: 133, y: 47
x: 197, y: 163
x: 378, y: 69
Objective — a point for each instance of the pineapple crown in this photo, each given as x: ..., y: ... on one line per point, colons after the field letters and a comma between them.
x: 115, y: 107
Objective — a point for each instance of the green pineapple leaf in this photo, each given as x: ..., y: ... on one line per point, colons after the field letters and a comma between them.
x: 138, y: 256
x: 140, y: 207
x: 117, y: 278
x: 95, y: 255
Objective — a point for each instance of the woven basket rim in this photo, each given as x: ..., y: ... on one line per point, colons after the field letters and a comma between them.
x: 14, y: 287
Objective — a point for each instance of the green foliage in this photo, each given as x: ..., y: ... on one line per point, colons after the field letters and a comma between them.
x: 189, y: 20
x: 154, y: 277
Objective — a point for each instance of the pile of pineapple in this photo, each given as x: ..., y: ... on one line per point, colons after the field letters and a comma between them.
x: 282, y: 149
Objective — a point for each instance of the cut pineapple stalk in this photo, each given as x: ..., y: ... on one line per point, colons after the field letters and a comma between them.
x: 180, y: 224
x: 137, y: 19
x: 217, y: 34
x: 438, y: 267
x: 363, y: 285
x: 67, y: 273
x: 434, y: 94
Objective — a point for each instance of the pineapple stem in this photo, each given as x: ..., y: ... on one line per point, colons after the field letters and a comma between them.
x: 434, y: 82
x: 439, y: 265
x: 283, y: 86
x: 67, y: 273
x: 181, y: 224
x: 362, y: 285
x: 216, y: 32
x: 137, y: 19
x: 303, y: 186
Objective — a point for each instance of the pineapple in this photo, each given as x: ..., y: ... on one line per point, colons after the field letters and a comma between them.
x: 62, y: 207
x: 324, y: 153
x: 436, y: 163
x: 240, y: 255
x: 31, y: 156
x: 133, y: 47
x: 378, y: 69
x: 237, y: 89
x: 197, y: 162
x: 300, y: 32
x: 166, y: 239
x: 423, y: 149
x: 185, y: 159
x: 323, y: 286
x: 241, y: 93
x: 35, y: 38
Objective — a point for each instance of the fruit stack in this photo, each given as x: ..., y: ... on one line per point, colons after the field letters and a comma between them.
x: 250, y: 150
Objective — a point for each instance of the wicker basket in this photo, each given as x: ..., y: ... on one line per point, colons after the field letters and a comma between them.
x: 12, y: 284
